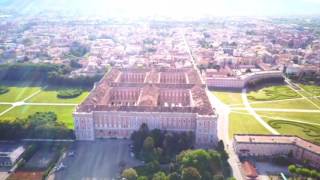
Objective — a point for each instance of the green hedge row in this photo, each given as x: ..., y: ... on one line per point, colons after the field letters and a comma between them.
x: 69, y: 93
x: 4, y: 89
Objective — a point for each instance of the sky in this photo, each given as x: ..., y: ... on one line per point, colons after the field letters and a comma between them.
x: 171, y: 8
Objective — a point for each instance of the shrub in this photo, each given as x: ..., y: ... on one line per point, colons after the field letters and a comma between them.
x: 4, y: 89
x: 69, y: 93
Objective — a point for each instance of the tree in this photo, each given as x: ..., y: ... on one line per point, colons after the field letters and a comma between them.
x: 158, y: 136
x: 190, y: 173
x: 313, y: 173
x: 130, y: 174
x: 218, y: 177
x: 77, y: 49
x: 160, y: 176
x: 142, y: 178
x: 220, y: 146
x: 152, y: 167
x: 305, y: 172
x: 174, y: 176
x: 148, y: 144
x: 202, y: 160
x: 292, y: 169
x: 231, y: 178
x: 139, y: 136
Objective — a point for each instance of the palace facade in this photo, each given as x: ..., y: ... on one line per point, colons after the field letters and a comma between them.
x: 167, y: 99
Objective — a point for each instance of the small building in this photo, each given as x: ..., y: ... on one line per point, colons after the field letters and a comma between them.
x: 266, y: 146
x: 10, y: 154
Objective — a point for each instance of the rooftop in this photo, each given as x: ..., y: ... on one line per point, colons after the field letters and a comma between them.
x: 149, y: 90
x: 278, y: 139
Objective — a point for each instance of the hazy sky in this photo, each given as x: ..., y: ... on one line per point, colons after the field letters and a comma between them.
x: 174, y: 8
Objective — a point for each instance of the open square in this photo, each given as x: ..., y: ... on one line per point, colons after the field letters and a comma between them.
x: 96, y: 160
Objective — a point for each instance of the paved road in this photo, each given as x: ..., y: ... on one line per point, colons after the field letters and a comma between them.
x: 96, y: 160
x: 223, y: 133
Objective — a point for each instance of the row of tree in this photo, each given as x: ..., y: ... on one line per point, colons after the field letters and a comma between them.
x: 169, y: 156
x: 189, y: 165
x: 162, y: 146
x: 303, y: 172
x: 38, y: 125
x: 45, y: 72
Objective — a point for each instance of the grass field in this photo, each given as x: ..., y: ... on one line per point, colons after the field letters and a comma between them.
x: 4, y: 107
x: 306, y: 131
x: 272, y: 93
x: 244, y: 124
x: 229, y: 98
x: 46, y: 96
x: 18, y: 93
x: 283, y: 122
x: 312, y: 89
x: 290, y: 104
x: 298, y: 116
x: 64, y: 113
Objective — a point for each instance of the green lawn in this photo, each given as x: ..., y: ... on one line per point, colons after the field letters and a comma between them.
x: 50, y: 96
x: 290, y: 104
x: 64, y: 113
x: 229, y: 98
x: 272, y: 93
x: 312, y: 89
x: 4, y: 107
x: 18, y: 93
x: 298, y: 116
x: 308, y: 132
x: 244, y: 124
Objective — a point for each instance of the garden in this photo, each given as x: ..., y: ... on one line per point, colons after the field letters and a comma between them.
x: 169, y: 155
x: 272, y: 93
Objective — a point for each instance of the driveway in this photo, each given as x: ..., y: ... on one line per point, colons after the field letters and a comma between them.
x: 96, y: 160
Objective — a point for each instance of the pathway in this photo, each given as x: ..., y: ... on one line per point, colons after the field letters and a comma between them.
x: 295, y: 90
x: 278, y: 110
x: 223, y: 133
x: 23, y: 102
x: 253, y: 113
x: 280, y: 118
x: 273, y: 101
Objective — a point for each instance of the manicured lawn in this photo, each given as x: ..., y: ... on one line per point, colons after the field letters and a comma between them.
x: 244, y: 124
x: 312, y: 89
x: 229, y: 98
x: 298, y: 116
x: 308, y: 132
x: 18, y: 93
x: 64, y: 113
x: 4, y: 107
x: 290, y: 104
x: 50, y: 96
x: 272, y: 93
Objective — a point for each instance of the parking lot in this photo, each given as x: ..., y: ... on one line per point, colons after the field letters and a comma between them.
x: 96, y: 160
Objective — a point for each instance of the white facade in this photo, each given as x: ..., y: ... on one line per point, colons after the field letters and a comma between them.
x: 238, y: 82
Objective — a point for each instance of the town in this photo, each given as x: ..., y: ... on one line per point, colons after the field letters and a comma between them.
x: 216, y: 98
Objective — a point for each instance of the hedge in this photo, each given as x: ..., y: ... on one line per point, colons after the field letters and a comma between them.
x: 4, y: 89
x: 69, y: 93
